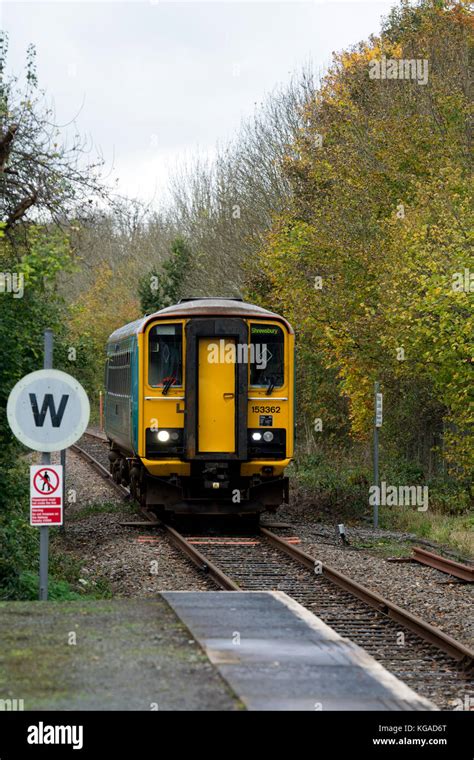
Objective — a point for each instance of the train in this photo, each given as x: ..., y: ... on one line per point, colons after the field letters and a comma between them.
x: 199, y: 408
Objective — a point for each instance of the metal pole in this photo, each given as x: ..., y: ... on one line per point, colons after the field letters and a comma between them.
x: 45, y: 459
x: 63, y: 464
x: 48, y: 349
x: 376, y: 459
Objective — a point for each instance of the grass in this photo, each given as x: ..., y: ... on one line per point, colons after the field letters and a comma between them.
x: 64, y: 581
x: 95, y: 509
x: 385, y: 547
x: 69, y: 570
x: 59, y: 589
x: 335, y: 484
x: 65, y: 571
x: 455, y: 531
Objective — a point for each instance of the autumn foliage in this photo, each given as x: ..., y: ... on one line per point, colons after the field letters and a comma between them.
x: 371, y: 259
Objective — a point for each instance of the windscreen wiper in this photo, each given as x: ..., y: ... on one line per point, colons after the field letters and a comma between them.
x: 271, y: 385
x: 167, y: 385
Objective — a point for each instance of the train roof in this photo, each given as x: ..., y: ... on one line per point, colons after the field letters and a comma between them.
x: 199, y: 307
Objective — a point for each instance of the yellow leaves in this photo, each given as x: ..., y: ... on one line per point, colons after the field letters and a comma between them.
x: 374, y: 52
x: 109, y: 300
x: 387, y: 278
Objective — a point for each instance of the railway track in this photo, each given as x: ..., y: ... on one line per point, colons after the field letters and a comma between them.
x: 444, y: 565
x: 97, y: 460
x: 431, y: 662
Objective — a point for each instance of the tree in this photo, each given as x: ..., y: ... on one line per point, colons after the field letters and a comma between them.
x: 41, y: 178
x: 224, y: 208
x: 43, y: 186
x: 158, y: 289
x: 363, y: 259
x: 24, y: 314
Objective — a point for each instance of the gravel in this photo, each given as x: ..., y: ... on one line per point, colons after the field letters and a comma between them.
x: 426, y: 592
x: 139, y: 563
x: 136, y: 562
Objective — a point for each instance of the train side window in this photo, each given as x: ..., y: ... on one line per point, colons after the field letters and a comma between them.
x: 267, y: 356
x: 165, y: 351
x: 118, y: 374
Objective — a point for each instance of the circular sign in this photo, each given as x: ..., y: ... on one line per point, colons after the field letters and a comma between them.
x: 46, y: 481
x: 48, y: 410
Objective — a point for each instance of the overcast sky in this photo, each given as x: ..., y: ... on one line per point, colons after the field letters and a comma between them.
x: 153, y: 82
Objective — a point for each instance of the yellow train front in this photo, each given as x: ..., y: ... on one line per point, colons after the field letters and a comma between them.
x: 199, y: 407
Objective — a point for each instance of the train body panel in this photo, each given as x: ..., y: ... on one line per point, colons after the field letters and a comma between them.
x: 121, y: 393
x: 199, y: 407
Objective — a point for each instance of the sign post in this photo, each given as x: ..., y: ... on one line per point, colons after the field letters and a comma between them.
x: 378, y: 418
x: 45, y: 459
x: 47, y: 410
x: 63, y: 465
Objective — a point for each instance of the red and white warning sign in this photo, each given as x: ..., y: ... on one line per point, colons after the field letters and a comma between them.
x: 46, y: 494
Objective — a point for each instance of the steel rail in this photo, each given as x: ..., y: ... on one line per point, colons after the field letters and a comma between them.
x: 204, y: 564
x: 98, y: 467
x: 222, y: 580
x: 99, y: 437
x: 441, y: 640
x: 445, y: 565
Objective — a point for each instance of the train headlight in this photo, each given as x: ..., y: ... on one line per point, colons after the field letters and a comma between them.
x: 268, y: 436
x: 257, y: 436
x: 164, y: 442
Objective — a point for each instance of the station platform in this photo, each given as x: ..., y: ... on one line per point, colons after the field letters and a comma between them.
x: 276, y: 655
x: 187, y: 651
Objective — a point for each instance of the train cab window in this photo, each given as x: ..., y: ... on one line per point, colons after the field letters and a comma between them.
x: 165, y: 349
x: 267, y: 356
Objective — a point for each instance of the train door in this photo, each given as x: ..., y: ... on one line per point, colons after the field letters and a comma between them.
x: 216, y: 389
x: 216, y: 395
